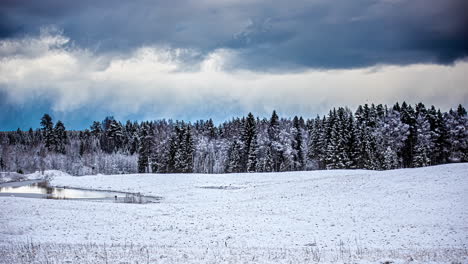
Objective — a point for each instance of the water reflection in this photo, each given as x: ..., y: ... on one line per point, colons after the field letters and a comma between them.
x: 34, y: 189
x: 43, y: 190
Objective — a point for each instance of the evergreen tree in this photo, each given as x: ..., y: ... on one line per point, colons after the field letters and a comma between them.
x: 252, y: 158
x: 173, y: 148
x: 315, y: 149
x: 60, y: 137
x: 439, y: 153
x: 337, y: 155
x: 144, y: 150
x: 352, y: 143
x: 114, y: 136
x: 96, y: 129
x: 461, y: 111
x: 268, y: 162
x: 368, y: 153
x: 210, y: 129
x: 424, y: 143
x: 390, y: 159
x: 298, y: 144
x: 275, y: 145
x: 408, y: 117
x: 48, y: 131
x: 391, y: 132
x: 188, y: 151
x: 180, y: 162
x: 456, y: 127
x: 249, y: 136
x: 234, y: 163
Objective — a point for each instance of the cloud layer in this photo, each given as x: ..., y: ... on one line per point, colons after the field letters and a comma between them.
x: 161, y: 82
x: 266, y: 35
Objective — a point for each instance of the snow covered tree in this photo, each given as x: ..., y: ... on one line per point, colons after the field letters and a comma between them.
x: 338, y: 154
x: 249, y: 137
x: 391, y: 160
x: 287, y: 152
x: 298, y: 146
x: 234, y: 163
x: 275, y: 145
x: 188, y: 149
x: 179, y: 158
x: 375, y: 137
x: 408, y: 116
x: 114, y: 136
x: 316, y: 143
x: 440, y: 152
x: 144, y: 150
x: 457, y: 130
x: 391, y: 132
x: 252, y: 158
x: 424, y: 142
x: 367, y: 153
x: 266, y: 164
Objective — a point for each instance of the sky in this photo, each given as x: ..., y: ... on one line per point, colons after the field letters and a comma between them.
x: 81, y: 61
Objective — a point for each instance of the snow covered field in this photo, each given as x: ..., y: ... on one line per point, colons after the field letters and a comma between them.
x: 407, y: 215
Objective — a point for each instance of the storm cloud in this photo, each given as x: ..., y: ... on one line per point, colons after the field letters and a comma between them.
x: 152, y: 82
x: 187, y: 59
x: 267, y: 35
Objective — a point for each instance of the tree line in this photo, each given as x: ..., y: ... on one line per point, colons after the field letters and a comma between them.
x: 375, y: 137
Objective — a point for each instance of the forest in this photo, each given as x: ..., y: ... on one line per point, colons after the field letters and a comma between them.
x: 374, y: 137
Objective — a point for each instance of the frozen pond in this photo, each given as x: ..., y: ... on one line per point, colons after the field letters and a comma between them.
x: 35, y: 189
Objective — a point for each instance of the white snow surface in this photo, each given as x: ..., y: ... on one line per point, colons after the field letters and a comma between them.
x: 405, y: 209
x: 6, y: 177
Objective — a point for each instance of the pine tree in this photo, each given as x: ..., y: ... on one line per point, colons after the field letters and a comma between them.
x: 268, y: 161
x: 96, y: 129
x: 234, y: 163
x: 210, y: 129
x: 173, y: 146
x: 298, y: 144
x: 439, y: 153
x: 337, y: 155
x: 352, y: 147
x: 408, y: 117
x: 114, y: 134
x: 461, y: 111
x: 252, y: 158
x: 390, y: 159
x: 456, y: 127
x: 368, y: 153
x: 315, y: 149
x: 179, y: 158
x: 48, y: 131
x: 275, y: 145
x: 144, y: 149
x: 60, y: 137
x: 391, y: 132
x: 82, y: 148
x: 188, y: 151
x: 424, y: 142
x: 249, y: 136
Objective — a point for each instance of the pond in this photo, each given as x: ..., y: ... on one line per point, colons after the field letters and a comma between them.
x: 35, y: 189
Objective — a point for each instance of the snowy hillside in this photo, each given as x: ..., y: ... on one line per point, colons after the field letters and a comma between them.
x: 327, y: 216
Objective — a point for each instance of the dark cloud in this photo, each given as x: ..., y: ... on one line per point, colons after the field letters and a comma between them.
x: 268, y: 35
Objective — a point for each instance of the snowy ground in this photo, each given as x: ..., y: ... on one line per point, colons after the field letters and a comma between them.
x: 408, y: 215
